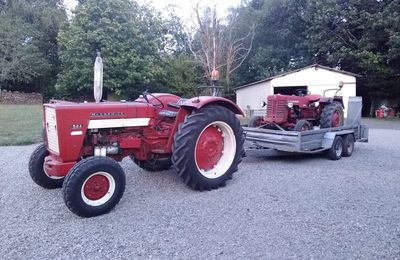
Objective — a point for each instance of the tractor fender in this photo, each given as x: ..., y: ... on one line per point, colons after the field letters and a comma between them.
x: 328, y: 100
x: 199, y: 102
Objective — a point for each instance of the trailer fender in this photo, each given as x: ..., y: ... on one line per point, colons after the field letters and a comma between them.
x: 199, y: 102
x: 329, y: 137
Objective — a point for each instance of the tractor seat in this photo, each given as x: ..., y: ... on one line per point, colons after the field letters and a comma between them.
x: 313, y: 98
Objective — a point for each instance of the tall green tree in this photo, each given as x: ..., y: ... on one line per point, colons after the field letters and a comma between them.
x: 28, y: 45
x: 130, y: 38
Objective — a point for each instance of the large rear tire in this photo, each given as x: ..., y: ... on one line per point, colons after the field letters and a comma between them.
x: 208, y: 148
x: 332, y: 115
x: 37, y: 171
x: 94, y: 186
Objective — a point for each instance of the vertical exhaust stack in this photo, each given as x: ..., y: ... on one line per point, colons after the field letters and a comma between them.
x: 98, y: 78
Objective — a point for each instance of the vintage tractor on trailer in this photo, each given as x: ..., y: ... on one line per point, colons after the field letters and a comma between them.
x: 201, y: 137
x: 300, y: 113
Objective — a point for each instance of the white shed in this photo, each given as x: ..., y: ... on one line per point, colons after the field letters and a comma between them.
x: 314, y: 78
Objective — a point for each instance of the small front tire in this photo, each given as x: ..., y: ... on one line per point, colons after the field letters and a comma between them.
x: 94, y: 186
x: 255, y: 121
x: 38, y: 172
x: 302, y: 126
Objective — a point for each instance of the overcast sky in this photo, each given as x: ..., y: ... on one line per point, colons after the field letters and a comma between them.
x: 184, y: 6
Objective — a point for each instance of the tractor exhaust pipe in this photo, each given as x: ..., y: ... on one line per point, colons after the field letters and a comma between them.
x: 98, y: 78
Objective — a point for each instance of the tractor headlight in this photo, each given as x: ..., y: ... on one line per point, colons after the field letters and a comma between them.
x: 263, y: 103
x: 290, y: 104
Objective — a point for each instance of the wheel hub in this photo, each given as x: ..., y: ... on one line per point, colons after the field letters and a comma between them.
x: 336, y: 119
x: 209, y: 148
x: 96, y: 187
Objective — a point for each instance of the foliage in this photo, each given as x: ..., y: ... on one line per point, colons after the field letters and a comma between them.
x: 130, y: 38
x: 28, y: 46
x: 183, y: 75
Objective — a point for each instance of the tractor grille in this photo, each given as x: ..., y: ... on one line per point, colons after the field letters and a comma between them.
x: 277, y: 111
x: 51, y: 130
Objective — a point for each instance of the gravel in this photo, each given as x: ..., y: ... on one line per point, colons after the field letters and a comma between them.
x: 275, y: 207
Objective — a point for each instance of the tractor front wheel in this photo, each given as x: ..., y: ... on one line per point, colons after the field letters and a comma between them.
x: 94, y: 186
x: 208, y: 148
x: 302, y: 125
x: 332, y: 115
x: 38, y: 172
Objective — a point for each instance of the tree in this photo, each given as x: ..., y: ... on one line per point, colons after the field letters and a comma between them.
x: 28, y: 46
x: 217, y: 44
x: 130, y: 38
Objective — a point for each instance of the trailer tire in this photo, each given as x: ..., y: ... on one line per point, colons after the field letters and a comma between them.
x: 348, y: 145
x: 302, y: 125
x: 93, y: 186
x: 332, y: 115
x: 255, y: 121
x: 336, y: 151
x: 154, y: 164
x: 37, y: 171
x: 208, y: 147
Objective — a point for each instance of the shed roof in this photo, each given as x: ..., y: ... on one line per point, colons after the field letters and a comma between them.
x: 294, y: 71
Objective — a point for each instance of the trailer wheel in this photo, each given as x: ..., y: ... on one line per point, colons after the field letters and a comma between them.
x: 336, y: 151
x: 332, y: 115
x: 302, y: 125
x: 255, y: 121
x: 348, y: 145
x: 38, y: 172
x: 208, y: 147
x: 93, y: 186
x: 154, y: 164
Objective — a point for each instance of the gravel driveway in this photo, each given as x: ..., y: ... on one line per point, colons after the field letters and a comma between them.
x: 275, y: 207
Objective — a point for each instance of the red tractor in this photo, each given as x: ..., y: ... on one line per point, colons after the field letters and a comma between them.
x: 201, y: 137
x: 300, y: 113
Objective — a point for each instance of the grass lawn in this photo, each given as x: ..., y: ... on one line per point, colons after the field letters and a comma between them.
x: 20, y: 124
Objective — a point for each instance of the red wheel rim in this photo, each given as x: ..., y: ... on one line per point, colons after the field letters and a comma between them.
x: 96, y: 187
x: 209, y: 148
x: 336, y: 118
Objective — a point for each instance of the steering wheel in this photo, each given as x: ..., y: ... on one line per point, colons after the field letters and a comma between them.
x: 302, y: 92
x: 146, y: 93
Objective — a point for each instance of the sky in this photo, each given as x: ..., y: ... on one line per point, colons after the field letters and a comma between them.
x: 183, y: 6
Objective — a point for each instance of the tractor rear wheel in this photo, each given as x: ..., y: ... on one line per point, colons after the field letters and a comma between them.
x: 255, y: 121
x: 348, y: 145
x: 154, y: 164
x: 208, y: 148
x: 302, y: 125
x: 94, y: 186
x: 38, y: 172
x: 332, y: 115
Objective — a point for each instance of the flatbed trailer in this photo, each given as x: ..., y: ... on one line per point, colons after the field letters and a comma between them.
x: 337, y: 141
